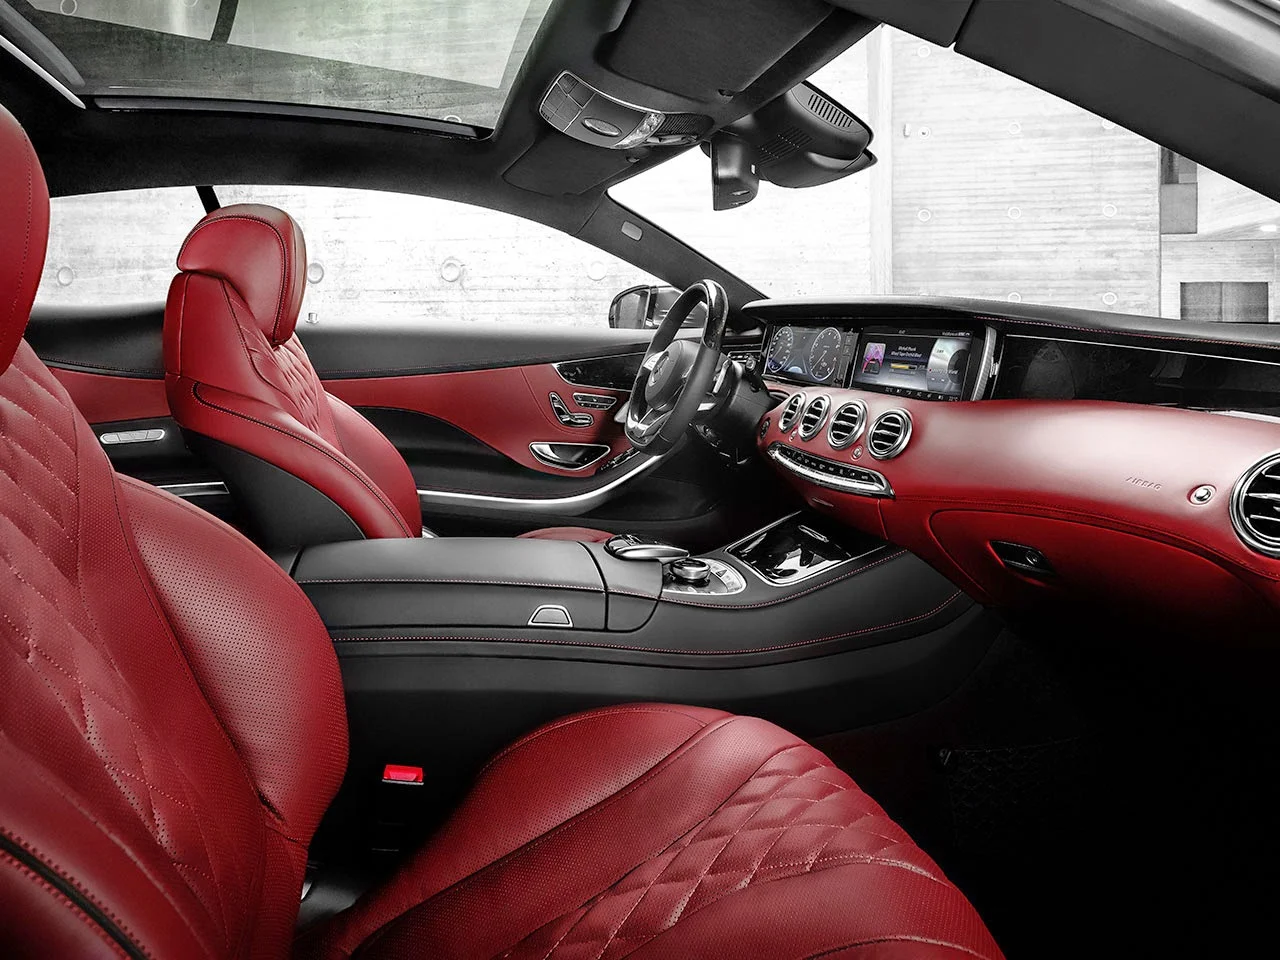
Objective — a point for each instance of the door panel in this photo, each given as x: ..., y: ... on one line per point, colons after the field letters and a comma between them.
x: 506, y: 408
x: 463, y: 404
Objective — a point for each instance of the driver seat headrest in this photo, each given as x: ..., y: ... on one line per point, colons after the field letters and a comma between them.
x: 24, y: 232
x: 260, y: 252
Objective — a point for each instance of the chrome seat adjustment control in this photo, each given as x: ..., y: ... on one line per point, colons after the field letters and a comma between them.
x: 630, y: 547
x: 578, y: 420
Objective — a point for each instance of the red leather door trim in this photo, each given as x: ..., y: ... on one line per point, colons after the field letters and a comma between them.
x: 105, y: 399
x: 506, y: 408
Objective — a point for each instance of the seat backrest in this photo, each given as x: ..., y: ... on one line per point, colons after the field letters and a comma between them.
x: 303, y: 466
x: 171, y: 716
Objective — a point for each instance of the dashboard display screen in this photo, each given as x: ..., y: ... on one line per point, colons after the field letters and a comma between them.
x: 920, y: 364
x: 817, y: 355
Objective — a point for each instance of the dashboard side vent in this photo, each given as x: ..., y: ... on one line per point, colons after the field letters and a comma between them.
x: 815, y: 415
x: 1255, y: 507
x: 889, y: 434
x: 790, y: 412
x: 846, y: 425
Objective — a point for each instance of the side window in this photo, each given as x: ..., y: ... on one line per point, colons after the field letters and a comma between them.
x: 113, y: 248
x: 379, y: 256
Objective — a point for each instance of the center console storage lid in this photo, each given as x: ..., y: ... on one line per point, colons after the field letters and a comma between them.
x: 454, y: 581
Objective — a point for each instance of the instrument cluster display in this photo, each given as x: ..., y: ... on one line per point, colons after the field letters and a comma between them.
x: 815, y: 355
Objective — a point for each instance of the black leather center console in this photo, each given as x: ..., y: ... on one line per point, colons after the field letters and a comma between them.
x: 473, y: 582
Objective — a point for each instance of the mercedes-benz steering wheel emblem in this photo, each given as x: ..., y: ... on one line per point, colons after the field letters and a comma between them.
x: 660, y: 366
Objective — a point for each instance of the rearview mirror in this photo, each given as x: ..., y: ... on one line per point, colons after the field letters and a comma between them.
x: 804, y: 138
x: 645, y: 307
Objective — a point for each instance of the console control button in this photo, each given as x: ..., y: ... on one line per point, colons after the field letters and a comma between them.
x: 691, y: 570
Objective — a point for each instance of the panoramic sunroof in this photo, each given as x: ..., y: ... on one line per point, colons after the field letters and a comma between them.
x: 436, y: 59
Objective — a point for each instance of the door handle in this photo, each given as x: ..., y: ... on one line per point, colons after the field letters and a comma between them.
x: 568, y: 456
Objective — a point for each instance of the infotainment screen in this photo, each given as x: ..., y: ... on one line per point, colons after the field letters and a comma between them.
x: 816, y: 355
x: 929, y: 365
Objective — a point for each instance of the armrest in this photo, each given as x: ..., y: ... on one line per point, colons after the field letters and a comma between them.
x: 453, y: 581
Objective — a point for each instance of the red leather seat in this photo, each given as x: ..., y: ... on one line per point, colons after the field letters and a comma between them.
x: 173, y: 727
x: 304, y: 466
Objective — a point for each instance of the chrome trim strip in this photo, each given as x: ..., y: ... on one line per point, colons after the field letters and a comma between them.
x: 213, y: 488
x: 42, y: 73
x: 564, y: 506
x: 881, y: 489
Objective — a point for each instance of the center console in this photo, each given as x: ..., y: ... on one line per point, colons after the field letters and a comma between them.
x: 453, y: 647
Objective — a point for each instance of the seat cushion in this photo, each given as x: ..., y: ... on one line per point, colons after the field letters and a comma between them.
x: 651, y: 831
x: 583, y: 534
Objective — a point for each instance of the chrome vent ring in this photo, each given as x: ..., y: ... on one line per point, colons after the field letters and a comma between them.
x: 847, y: 424
x: 790, y: 412
x: 1255, y: 507
x: 815, y: 415
x: 890, y: 434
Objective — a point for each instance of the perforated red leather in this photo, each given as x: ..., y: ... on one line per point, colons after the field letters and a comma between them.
x: 663, y: 831
x: 139, y: 763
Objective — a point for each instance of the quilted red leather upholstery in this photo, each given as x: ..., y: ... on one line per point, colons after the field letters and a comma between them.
x: 236, y: 372
x: 172, y: 728
x: 661, y: 831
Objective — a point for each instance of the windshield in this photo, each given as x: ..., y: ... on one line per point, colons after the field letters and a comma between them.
x: 986, y: 187
x: 423, y: 58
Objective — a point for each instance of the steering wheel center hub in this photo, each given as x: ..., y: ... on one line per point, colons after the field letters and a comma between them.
x: 667, y: 375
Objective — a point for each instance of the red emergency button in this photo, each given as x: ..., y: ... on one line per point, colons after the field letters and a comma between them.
x: 397, y: 773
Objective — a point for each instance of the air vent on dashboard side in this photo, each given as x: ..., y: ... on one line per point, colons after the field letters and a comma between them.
x: 815, y: 415
x: 889, y: 434
x: 1255, y: 507
x: 846, y: 425
x: 790, y: 412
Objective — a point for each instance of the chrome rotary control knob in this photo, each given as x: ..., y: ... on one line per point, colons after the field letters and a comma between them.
x: 691, y: 570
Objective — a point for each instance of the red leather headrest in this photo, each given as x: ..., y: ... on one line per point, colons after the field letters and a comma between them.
x: 24, y: 232
x: 259, y: 250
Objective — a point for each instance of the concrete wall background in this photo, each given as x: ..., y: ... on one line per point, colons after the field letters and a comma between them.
x: 986, y: 187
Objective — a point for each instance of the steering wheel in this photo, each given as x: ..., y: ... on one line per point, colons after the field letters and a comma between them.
x: 676, y: 374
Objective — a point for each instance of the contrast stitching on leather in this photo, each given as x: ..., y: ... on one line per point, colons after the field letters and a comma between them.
x: 767, y: 603
x: 488, y: 583
x: 898, y: 938
x: 582, y: 816
x: 122, y: 947
x: 579, y: 718
x: 284, y: 260
x: 195, y: 392
x: 673, y: 650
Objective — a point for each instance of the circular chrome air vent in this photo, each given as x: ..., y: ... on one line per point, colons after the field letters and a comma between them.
x: 889, y: 434
x: 815, y: 415
x: 790, y: 412
x: 1255, y: 507
x: 847, y: 424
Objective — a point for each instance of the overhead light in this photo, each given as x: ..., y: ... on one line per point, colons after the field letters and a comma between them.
x: 1270, y: 228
